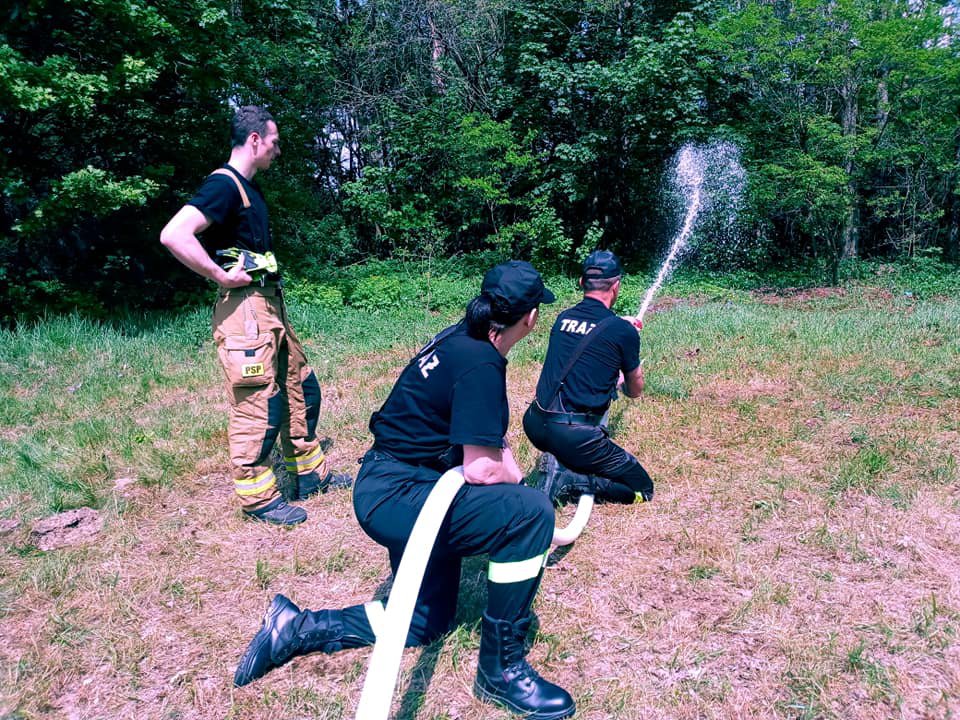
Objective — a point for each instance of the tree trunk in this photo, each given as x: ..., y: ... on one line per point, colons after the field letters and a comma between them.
x: 951, y: 247
x: 436, y: 53
x: 851, y: 225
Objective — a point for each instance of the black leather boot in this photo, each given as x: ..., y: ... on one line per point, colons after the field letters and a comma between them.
x: 310, y: 484
x: 505, y: 678
x: 288, y: 631
x: 561, y: 484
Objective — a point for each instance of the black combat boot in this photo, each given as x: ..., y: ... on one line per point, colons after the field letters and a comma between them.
x: 561, y: 484
x: 505, y: 678
x: 288, y: 631
x: 310, y: 484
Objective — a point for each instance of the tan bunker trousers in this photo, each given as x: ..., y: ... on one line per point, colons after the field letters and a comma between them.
x: 272, y: 391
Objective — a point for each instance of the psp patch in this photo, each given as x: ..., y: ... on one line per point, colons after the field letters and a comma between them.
x: 252, y: 370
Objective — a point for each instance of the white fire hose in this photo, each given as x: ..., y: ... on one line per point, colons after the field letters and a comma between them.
x: 381, y: 680
x: 565, y: 536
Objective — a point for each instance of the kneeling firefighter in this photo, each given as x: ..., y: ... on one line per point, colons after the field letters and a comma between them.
x: 591, y: 350
x: 449, y: 407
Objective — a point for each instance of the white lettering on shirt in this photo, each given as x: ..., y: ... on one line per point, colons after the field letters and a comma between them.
x: 581, y: 327
x: 428, y: 363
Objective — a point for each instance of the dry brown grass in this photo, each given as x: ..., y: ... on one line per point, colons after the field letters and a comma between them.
x: 753, y: 587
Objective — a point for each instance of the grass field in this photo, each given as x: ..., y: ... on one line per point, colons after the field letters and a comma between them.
x: 801, y: 558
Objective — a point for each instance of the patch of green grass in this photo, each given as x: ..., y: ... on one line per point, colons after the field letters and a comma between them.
x: 898, y: 495
x: 747, y: 409
x: 935, y: 623
x: 807, y: 682
x: 665, y: 386
x: 264, y: 573
x: 66, y: 631
x: 875, y: 675
x: 557, y: 647
x: 73, y: 492
x: 938, y: 469
x: 618, y: 702
x: 299, y: 701
x: 861, y: 472
x: 338, y: 561
x: 462, y: 643
x: 702, y: 689
x: 821, y: 536
x: 53, y: 574
x: 702, y: 572
x: 105, y: 379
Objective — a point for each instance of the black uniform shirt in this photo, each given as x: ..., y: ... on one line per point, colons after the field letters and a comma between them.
x: 590, y: 384
x: 232, y: 224
x: 454, y: 395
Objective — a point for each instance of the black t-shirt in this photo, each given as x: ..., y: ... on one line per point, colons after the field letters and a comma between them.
x: 590, y: 384
x: 232, y: 224
x: 454, y: 395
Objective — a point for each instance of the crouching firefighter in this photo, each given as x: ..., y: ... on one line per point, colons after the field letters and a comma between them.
x: 273, y: 392
x: 448, y: 408
x: 590, y: 350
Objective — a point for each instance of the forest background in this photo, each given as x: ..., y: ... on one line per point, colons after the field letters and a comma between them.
x: 422, y: 130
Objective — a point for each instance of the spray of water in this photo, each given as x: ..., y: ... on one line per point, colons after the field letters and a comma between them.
x: 711, y: 180
x: 688, y: 175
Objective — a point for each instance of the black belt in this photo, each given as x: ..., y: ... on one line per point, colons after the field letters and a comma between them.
x: 568, y: 418
x: 269, y: 289
x: 436, y: 464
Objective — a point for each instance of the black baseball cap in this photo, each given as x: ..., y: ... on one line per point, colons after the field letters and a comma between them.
x: 601, y: 264
x: 517, y: 285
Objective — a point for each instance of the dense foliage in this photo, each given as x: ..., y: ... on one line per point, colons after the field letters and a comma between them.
x: 423, y: 129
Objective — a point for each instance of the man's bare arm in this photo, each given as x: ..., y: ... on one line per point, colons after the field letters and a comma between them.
x: 179, y: 236
x: 489, y: 466
x: 633, y: 382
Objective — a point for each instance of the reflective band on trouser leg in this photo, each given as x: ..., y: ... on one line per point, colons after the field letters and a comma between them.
x: 311, y: 461
x: 518, y: 571
x: 376, y: 616
x: 255, y: 485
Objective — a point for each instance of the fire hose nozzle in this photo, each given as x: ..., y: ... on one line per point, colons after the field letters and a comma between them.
x: 251, y: 262
x: 634, y: 320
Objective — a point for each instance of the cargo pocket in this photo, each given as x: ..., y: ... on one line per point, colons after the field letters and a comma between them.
x: 248, y: 361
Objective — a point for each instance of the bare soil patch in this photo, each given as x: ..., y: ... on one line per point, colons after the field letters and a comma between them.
x: 73, y: 527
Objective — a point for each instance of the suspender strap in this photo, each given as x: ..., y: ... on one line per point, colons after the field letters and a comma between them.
x: 236, y: 181
x: 578, y: 351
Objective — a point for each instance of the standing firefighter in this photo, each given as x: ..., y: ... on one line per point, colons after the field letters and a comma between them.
x: 449, y: 407
x: 590, y: 351
x: 272, y: 390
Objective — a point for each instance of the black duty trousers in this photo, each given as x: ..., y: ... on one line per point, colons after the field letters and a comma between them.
x: 586, y: 449
x: 511, y: 523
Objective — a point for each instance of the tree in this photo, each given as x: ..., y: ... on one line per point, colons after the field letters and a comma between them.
x: 851, y: 86
x: 607, y: 90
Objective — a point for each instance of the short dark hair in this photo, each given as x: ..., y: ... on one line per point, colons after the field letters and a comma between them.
x: 599, y: 284
x: 246, y: 120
